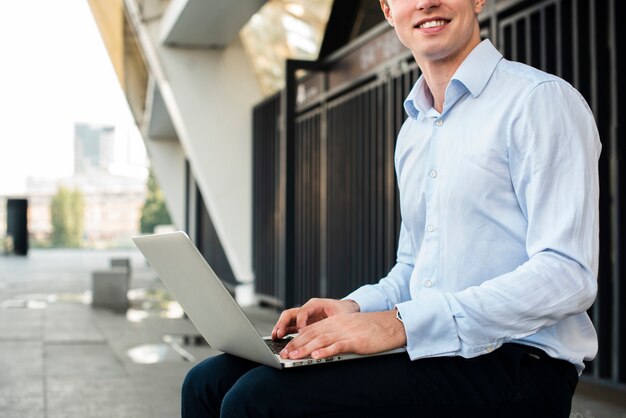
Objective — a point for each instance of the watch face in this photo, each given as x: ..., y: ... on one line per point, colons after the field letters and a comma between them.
x: 398, y: 316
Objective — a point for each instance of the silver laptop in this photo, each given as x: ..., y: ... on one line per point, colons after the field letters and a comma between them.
x: 211, y: 307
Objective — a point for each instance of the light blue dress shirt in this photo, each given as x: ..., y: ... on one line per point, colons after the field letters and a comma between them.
x: 499, y: 201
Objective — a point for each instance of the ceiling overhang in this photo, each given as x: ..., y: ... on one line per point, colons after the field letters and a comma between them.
x: 206, y: 23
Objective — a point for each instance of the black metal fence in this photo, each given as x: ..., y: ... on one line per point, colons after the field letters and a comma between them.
x: 362, y: 205
x: 308, y: 205
x: 333, y: 224
x: 268, y: 201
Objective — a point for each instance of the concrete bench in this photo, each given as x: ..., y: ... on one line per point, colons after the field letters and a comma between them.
x: 121, y: 262
x: 110, y: 287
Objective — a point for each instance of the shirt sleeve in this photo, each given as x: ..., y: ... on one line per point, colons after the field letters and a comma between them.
x: 553, y: 154
x: 392, y: 289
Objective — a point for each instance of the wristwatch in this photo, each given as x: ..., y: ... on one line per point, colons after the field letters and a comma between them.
x: 398, y: 316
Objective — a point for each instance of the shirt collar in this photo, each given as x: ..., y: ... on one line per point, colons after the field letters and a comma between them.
x: 473, y: 74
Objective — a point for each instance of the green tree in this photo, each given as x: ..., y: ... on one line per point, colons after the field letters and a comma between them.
x: 67, y: 213
x: 154, y: 211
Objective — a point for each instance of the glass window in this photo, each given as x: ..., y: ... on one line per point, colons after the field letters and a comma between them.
x: 284, y: 29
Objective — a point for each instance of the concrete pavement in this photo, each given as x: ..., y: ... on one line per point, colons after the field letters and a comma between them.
x: 62, y: 358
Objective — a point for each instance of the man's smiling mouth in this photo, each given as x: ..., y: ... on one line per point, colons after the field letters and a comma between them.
x: 432, y: 23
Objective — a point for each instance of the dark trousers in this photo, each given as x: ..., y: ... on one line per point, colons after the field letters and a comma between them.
x: 510, y: 382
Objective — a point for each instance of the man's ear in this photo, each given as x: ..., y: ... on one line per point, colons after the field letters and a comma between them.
x: 479, y: 5
x: 386, y: 11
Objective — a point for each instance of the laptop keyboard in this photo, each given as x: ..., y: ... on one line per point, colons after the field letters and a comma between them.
x: 278, y: 345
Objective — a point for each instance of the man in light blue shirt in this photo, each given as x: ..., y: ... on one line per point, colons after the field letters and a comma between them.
x: 500, y: 234
x: 498, y: 250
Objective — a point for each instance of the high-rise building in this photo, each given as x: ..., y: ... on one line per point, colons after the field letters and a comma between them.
x: 93, y: 147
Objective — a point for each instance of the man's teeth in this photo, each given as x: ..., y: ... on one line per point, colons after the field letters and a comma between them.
x: 432, y: 24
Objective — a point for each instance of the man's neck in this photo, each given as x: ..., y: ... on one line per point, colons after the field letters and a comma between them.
x: 437, y: 79
x: 438, y: 74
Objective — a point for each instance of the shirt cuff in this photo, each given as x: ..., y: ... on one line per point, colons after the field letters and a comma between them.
x: 429, y: 325
x: 369, y: 299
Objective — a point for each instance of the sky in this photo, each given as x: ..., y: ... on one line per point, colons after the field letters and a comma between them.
x: 55, y: 72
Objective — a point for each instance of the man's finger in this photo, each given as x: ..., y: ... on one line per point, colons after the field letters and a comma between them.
x: 338, y: 347
x: 309, y: 340
x: 284, y: 322
x: 302, y: 318
x: 299, y: 341
x: 319, y: 344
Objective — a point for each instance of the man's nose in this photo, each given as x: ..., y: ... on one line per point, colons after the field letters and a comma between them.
x: 426, y: 5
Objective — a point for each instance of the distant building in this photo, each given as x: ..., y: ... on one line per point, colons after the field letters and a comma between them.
x: 93, y: 147
x: 112, y: 207
x: 110, y: 173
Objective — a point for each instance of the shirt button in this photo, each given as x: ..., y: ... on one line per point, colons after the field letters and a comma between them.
x: 430, y: 228
x: 490, y: 349
x: 439, y: 122
x: 428, y: 283
x: 433, y: 174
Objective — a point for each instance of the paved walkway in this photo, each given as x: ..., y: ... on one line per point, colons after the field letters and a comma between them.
x: 59, y: 357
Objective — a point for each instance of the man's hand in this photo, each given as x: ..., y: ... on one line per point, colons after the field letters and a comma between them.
x: 292, y: 320
x: 359, y: 333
